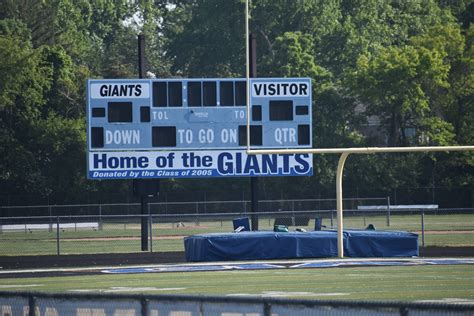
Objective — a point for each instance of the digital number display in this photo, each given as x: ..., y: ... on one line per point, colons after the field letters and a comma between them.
x: 203, y: 114
x: 281, y: 110
x: 120, y: 112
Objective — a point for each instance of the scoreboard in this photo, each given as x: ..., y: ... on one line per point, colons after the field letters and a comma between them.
x: 142, y: 124
x: 149, y: 114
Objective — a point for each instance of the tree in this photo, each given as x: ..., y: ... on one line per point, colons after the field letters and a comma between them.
x: 455, y: 104
x: 407, y: 62
x: 463, y: 10
x: 21, y: 100
x: 209, y: 41
x: 395, y: 85
x: 41, y: 118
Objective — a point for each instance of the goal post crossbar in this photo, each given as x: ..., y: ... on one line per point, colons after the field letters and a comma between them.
x: 345, y: 152
x: 359, y: 150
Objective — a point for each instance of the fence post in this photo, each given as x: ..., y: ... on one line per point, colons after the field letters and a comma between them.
x: 201, y: 307
x: 150, y: 221
x: 57, y: 235
x: 267, y: 309
x: 31, y: 306
x: 100, y: 216
x: 50, y: 219
x: 423, y: 228
x: 197, y: 213
x: 388, y: 211
x: 144, y: 304
x: 404, y: 311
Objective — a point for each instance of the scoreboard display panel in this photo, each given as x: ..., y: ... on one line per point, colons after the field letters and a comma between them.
x: 195, y: 128
x: 201, y: 114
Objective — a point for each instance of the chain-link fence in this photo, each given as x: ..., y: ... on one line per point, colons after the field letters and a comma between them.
x: 169, y: 223
x: 134, y: 305
x: 187, y: 207
x: 219, y: 190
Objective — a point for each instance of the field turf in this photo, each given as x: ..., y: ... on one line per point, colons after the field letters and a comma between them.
x: 399, y: 283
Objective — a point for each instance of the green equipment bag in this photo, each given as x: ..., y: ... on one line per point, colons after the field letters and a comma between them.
x: 280, y: 228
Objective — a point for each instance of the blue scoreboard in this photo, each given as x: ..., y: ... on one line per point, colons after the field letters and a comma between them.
x: 156, y: 115
x: 200, y: 114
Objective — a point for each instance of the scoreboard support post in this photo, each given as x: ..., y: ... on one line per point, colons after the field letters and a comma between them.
x: 141, y: 186
x: 144, y: 221
x: 253, y: 180
x: 145, y: 189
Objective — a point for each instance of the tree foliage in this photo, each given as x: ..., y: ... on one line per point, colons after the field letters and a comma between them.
x: 406, y: 65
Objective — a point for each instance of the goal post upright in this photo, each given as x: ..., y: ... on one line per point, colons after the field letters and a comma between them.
x: 339, y: 206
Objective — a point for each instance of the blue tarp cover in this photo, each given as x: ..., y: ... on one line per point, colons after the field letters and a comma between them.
x: 379, y: 243
x: 317, y: 244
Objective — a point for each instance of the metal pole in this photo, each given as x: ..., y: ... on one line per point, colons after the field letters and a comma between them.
x: 143, y: 195
x: 57, y: 236
x: 144, y: 221
x: 150, y: 220
x: 247, y: 70
x: 144, y: 307
x: 197, y: 213
x: 339, y: 174
x: 267, y: 309
x: 423, y: 228
x: 388, y: 211
x: 141, y: 56
x: 100, y: 217
x: 31, y: 305
x: 253, y: 180
x: 50, y: 219
x: 254, y: 198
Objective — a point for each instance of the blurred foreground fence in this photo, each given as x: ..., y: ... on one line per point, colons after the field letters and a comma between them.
x: 150, y: 305
x: 108, y: 230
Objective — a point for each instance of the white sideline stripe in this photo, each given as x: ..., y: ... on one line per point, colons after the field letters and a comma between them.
x: 287, y: 294
x: 9, y: 286
x: 232, y: 263
x: 14, y: 227
x: 120, y: 289
x: 397, y: 207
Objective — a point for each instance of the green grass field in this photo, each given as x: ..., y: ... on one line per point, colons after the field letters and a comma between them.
x: 405, y: 283
x: 441, y: 230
